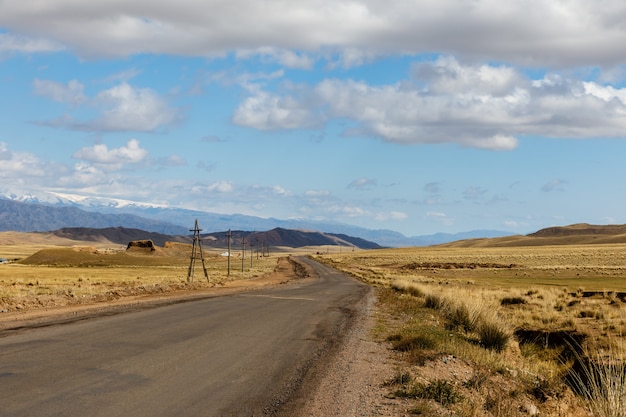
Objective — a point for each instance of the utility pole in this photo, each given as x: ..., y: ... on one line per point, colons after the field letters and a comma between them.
x: 243, y: 252
x: 196, y: 246
x: 251, y: 253
x: 228, y: 235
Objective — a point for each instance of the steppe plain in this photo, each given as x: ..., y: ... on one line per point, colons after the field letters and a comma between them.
x: 546, y: 294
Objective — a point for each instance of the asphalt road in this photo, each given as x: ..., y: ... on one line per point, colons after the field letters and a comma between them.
x: 237, y: 355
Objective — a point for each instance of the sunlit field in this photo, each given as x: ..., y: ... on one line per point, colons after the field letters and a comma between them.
x: 519, y: 329
x: 40, y: 275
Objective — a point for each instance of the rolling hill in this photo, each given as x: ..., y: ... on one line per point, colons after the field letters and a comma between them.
x: 274, y: 237
x: 575, y: 234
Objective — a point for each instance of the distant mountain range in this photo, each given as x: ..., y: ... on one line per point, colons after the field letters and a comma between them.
x: 271, y: 238
x: 28, y: 214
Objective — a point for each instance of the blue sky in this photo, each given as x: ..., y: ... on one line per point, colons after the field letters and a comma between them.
x: 414, y: 116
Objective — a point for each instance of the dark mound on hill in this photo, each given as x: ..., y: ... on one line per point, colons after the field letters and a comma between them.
x: 118, y: 235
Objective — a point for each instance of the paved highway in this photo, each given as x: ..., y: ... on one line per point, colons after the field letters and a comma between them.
x: 237, y: 355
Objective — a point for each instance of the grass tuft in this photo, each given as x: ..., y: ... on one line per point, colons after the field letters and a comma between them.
x: 440, y: 390
x: 493, y: 336
x: 434, y: 302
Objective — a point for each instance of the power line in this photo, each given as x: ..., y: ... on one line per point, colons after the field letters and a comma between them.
x: 196, y: 246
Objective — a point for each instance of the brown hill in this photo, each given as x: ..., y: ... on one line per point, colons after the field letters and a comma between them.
x: 581, y: 229
x: 119, y: 235
x: 290, y: 238
x: 576, y: 234
x: 275, y: 237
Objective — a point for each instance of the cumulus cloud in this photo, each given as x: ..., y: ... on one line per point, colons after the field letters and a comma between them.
x: 479, y: 106
x: 114, y: 158
x: 121, y: 108
x: 132, y: 109
x: 530, y: 32
x: 268, y: 111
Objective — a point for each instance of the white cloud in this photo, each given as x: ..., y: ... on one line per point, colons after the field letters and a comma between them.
x: 122, y: 107
x: 477, y: 106
x: 25, y: 169
x: 132, y: 109
x: 527, y: 32
x: 266, y: 111
x: 115, y: 158
x: 16, y: 164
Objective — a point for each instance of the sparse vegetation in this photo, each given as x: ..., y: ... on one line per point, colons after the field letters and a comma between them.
x: 476, y: 331
x: 44, y: 276
x: 499, y: 338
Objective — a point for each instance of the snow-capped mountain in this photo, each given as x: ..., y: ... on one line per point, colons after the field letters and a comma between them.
x: 47, y: 211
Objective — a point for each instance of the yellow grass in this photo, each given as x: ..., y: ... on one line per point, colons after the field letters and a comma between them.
x: 591, y: 267
x: 48, y: 275
x: 547, y: 290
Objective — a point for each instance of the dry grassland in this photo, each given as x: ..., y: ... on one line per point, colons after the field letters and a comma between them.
x: 500, y: 331
x: 55, y: 272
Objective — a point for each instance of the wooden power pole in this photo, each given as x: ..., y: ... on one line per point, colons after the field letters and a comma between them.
x: 196, y: 248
